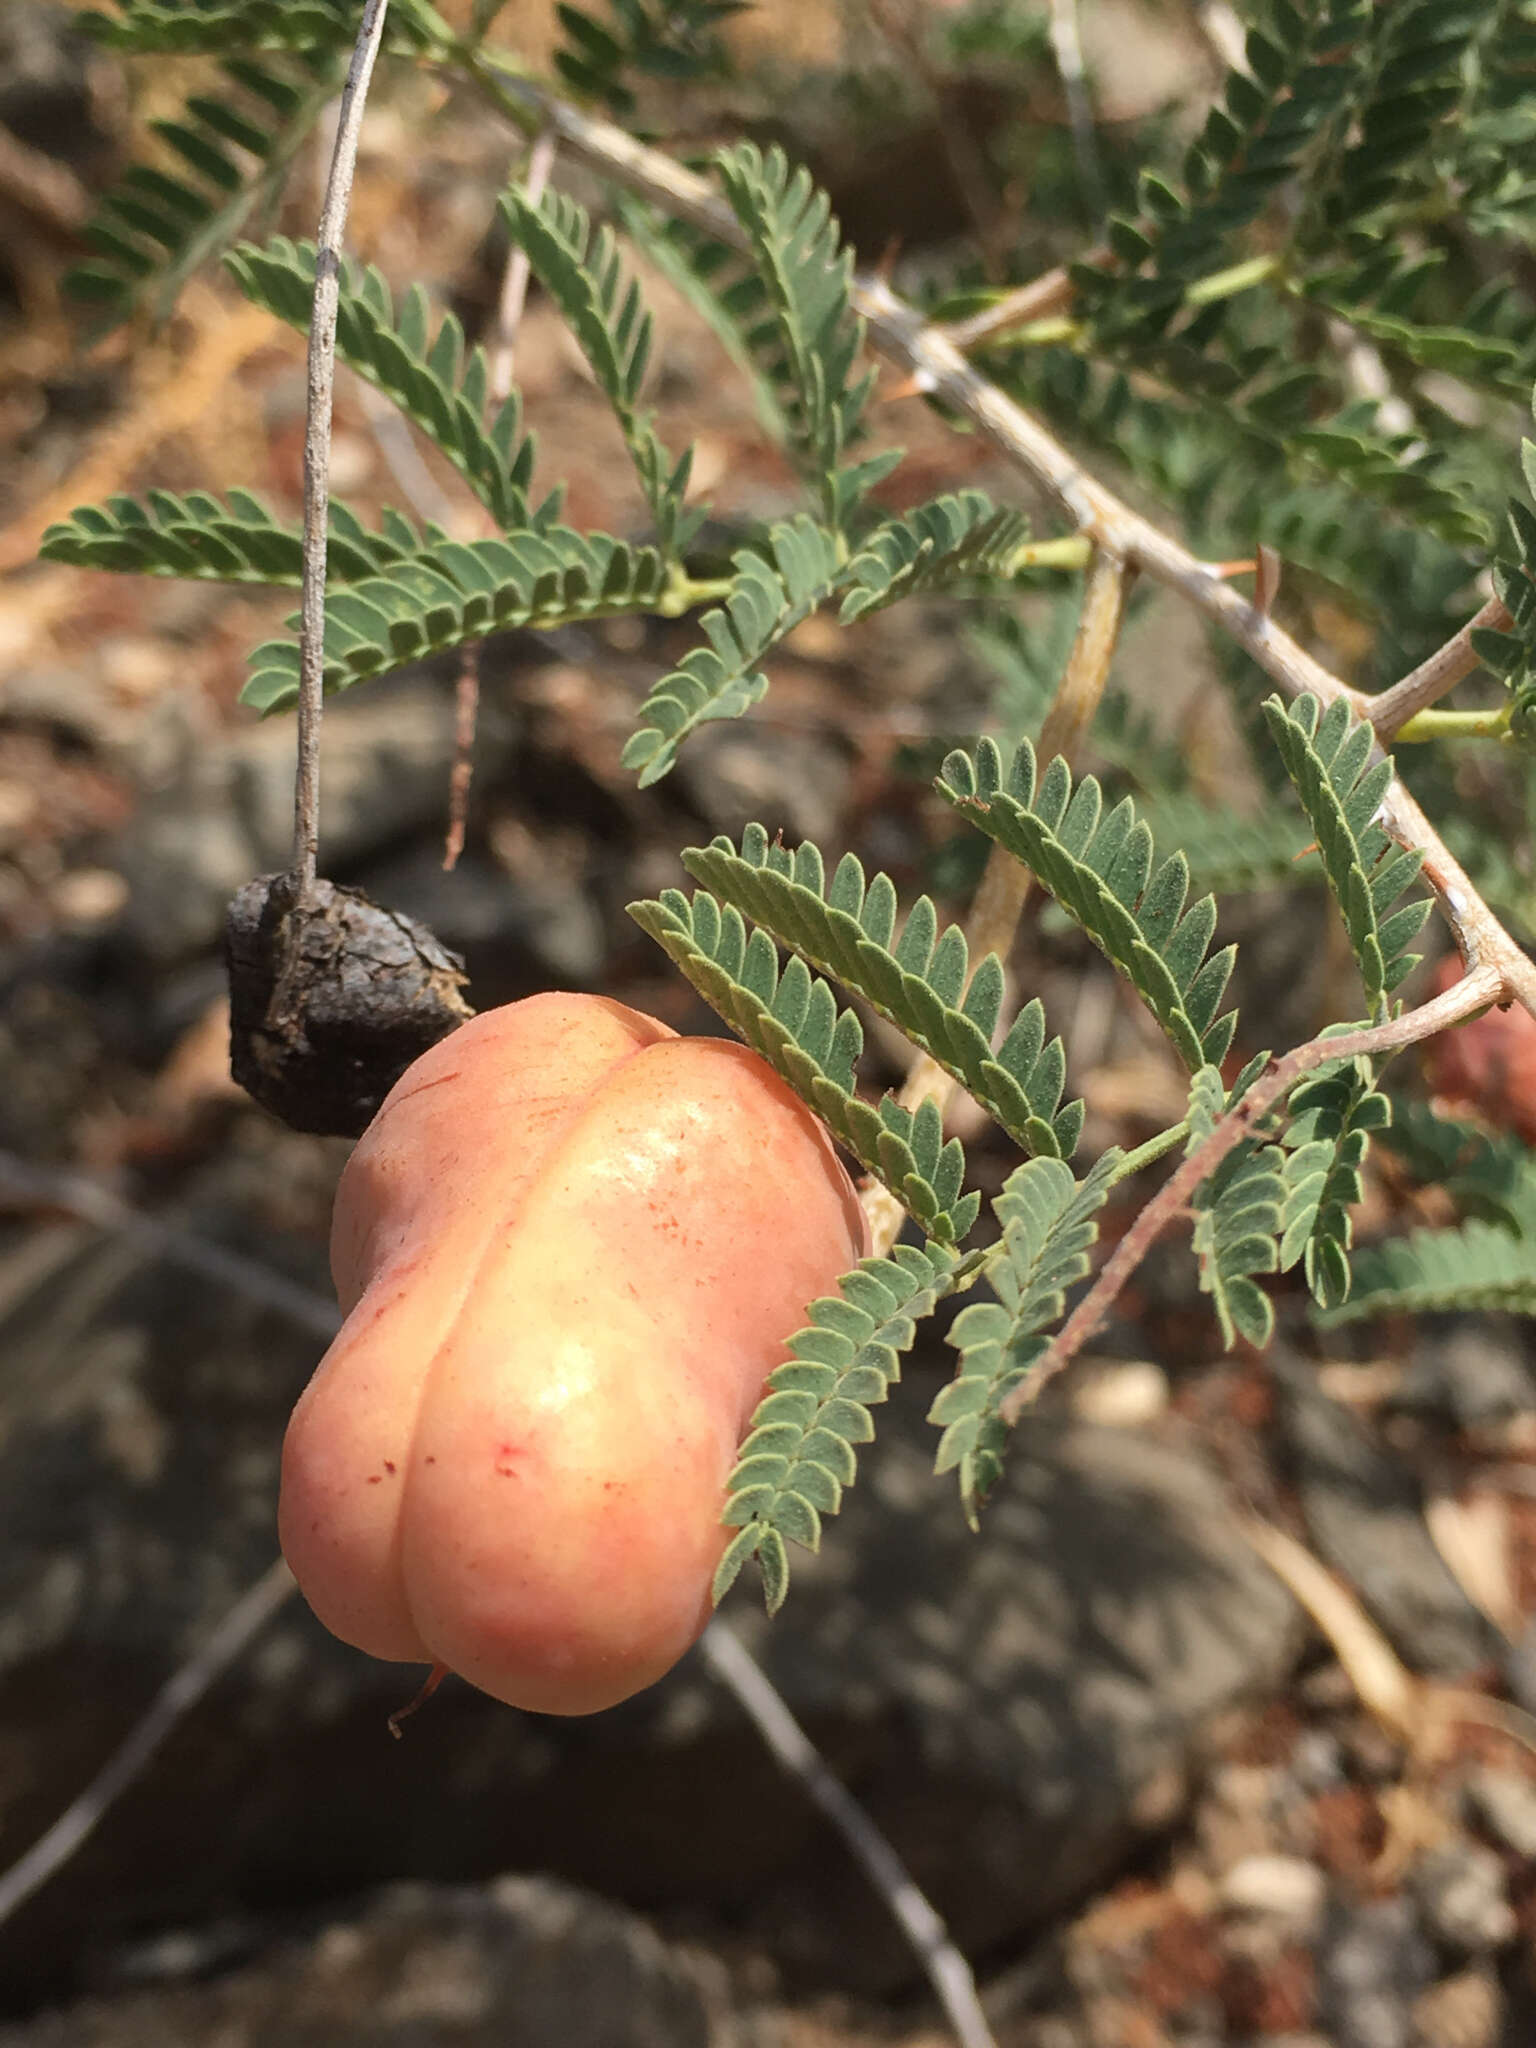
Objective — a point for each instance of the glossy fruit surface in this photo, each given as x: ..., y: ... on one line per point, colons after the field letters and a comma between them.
x: 569, y: 1249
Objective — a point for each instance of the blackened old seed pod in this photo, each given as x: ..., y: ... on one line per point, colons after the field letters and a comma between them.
x: 331, y: 1001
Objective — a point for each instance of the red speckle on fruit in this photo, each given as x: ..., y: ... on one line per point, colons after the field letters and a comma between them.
x: 389, y: 1467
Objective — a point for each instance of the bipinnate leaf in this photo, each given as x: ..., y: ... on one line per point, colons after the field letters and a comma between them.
x: 1327, y: 755
x: 1099, y: 867
x: 422, y: 368
x: 799, y: 1453
x: 1048, y: 1225
x: 922, y: 982
x: 793, y: 1021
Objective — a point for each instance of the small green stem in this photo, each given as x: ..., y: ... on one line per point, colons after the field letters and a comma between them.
x: 1226, y: 284
x: 1071, y: 551
x: 1456, y: 725
x: 685, y: 593
x: 1153, y: 1150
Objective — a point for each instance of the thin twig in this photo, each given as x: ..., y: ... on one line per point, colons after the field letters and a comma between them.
x: 466, y: 690
x: 1434, y: 678
x: 947, y: 1970
x: 317, y: 447
x: 935, y: 364
x: 175, y: 1699
x: 1474, y: 992
x: 1067, y: 47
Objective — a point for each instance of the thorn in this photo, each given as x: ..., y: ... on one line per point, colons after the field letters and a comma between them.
x: 918, y: 385
x: 1226, y: 569
x: 432, y: 1681
x: 886, y: 266
x: 1266, y: 586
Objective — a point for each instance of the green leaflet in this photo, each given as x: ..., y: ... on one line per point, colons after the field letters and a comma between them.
x: 1238, y: 1213
x: 609, y: 320
x: 799, y: 1455
x: 797, y: 315
x: 1099, y: 868
x: 156, y: 227
x: 234, y: 540
x: 921, y: 983
x: 792, y: 1019
x: 1328, y: 758
x: 770, y: 595
x: 425, y: 372
x: 455, y: 591
x: 1332, y: 1114
x: 1048, y: 1225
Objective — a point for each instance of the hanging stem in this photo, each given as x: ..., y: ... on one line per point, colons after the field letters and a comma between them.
x: 317, y: 448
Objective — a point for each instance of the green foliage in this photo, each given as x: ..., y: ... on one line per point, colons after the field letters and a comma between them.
x: 770, y: 595
x: 1332, y: 1115
x: 455, y: 591
x: 1476, y: 1266
x: 424, y: 371
x: 668, y: 41
x: 921, y: 983
x: 792, y: 1019
x: 946, y: 541
x: 608, y: 318
x: 231, y: 148
x: 216, y: 27
x: 1297, y: 82
x: 1047, y: 1223
x: 799, y: 1453
x: 1490, y: 1174
x: 797, y: 314
x: 234, y: 541
x: 1328, y: 758
x: 1238, y: 1216
x: 1230, y: 849
x: 1099, y: 867
x: 1512, y: 654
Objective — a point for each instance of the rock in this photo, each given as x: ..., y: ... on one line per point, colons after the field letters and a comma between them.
x: 1462, y: 1897
x: 1373, y: 1965
x: 1472, y: 1372
x: 1505, y: 1805
x: 1460, y: 2012
x: 1018, y: 1711
x: 520, y: 1963
x: 1285, y: 1889
x: 229, y: 814
x: 1364, y: 1512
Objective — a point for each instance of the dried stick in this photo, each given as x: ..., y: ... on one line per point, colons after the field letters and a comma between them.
x: 175, y: 1699
x: 947, y: 1970
x: 317, y: 448
x: 466, y: 690
x: 1474, y: 992
x: 934, y: 363
x: 1067, y: 48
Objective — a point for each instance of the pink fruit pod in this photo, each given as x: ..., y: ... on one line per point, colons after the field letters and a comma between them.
x: 569, y: 1249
